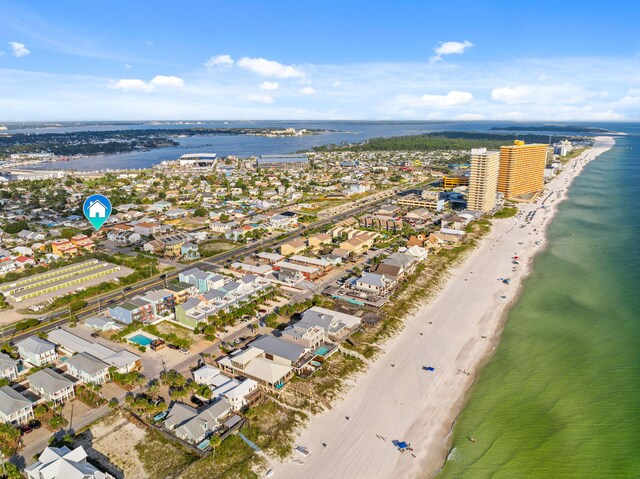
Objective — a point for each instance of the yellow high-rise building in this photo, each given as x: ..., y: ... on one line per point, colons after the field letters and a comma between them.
x: 522, y: 169
x: 483, y: 182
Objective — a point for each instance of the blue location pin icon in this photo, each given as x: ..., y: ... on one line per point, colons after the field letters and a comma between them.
x: 97, y: 209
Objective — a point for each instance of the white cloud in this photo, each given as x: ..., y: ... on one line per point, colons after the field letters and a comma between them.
x: 219, y: 61
x: 149, y: 43
x: 127, y: 66
x: 167, y: 81
x: 1, y: 53
x: 269, y: 68
x: 307, y: 91
x: 135, y: 84
x: 260, y: 97
x: 269, y: 85
x: 452, y: 99
x: 450, y: 48
x: 19, y: 49
x: 132, y: 84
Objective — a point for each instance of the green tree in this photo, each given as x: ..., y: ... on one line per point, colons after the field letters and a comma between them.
x: 9, y: 437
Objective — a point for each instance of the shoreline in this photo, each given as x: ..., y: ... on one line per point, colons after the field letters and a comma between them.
x: 459, y: 328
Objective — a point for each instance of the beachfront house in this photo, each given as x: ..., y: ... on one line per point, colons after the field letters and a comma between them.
x: 192, y: 426
x: 252, y: 363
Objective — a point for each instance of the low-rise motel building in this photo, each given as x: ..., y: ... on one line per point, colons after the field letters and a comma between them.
x: 50, y: 281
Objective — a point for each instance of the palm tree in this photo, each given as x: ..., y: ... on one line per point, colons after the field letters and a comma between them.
x: 214, y: 442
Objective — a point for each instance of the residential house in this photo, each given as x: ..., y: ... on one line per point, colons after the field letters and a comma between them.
x: 206, y: 374
x: 240, y: 395
x: 192, y: 426
x: 251, y: 363
x: 123, y: 360
x: 87, y: 368
x: 8, y: 367
x: 133, y: 310
x: 64, y: 463
x: 379, y: 284
x: 14, y: 407
x: 162, y: 301
x: 203, y: 280
x: 181, y: 291
x: 334, y: 324
x: 101, y: 323
x: 189, y: 251
x: 37, y: 351
x: 306, y: 335
x: 51, y: 386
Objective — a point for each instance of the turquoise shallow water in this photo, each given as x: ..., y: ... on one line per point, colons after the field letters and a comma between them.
x: 561, y: 396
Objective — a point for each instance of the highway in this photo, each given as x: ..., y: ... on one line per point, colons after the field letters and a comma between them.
x: 96, y: 304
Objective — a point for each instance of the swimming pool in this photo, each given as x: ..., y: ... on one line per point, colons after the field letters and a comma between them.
x: 322, y: 351
x: 141, y: 340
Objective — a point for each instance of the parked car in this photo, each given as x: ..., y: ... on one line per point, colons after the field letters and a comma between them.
x: 184, y: 351
x: 34, y: 424
x: 173, y: 346
x: 196, y: 401
x: 262, y: 311
x: 157, y: 400
x: 94, y: 335
x: 26, y: 430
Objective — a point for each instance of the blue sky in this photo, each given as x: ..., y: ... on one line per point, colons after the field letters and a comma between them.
x: 544, y: 60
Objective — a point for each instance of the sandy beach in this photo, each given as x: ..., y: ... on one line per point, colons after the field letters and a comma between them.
x: 395, y: 399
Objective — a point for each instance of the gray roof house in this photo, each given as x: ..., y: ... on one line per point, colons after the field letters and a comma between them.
x: 51, y: 386
x: 193, y: 426
x: 88, y: 368
x: 279, y: 350
x: 63, y: 463
x: 14, y: 407
x: 8, y: 367
x: 37, y: 351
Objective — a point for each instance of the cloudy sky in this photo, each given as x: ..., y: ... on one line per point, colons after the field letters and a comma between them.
x: 374, y: 60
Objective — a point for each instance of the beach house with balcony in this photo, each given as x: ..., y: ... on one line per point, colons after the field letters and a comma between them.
x: 14, y: 407
x: 37, y: 351
x: 51, y: 386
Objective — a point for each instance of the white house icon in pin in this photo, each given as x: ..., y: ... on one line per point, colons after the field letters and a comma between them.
x: 97, y: 209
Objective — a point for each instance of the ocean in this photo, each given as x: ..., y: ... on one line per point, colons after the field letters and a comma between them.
x: 560, y: 397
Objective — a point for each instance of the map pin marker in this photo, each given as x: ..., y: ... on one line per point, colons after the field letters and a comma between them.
x: 97, y: 209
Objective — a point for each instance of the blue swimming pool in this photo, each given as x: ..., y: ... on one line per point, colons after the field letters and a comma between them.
x: 141, y: 340
x: 322, y: 351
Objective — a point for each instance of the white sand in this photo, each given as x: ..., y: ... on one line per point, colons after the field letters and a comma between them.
x: 406, y: 403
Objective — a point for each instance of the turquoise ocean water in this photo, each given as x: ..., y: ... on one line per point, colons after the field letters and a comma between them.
x: 561, y: 396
